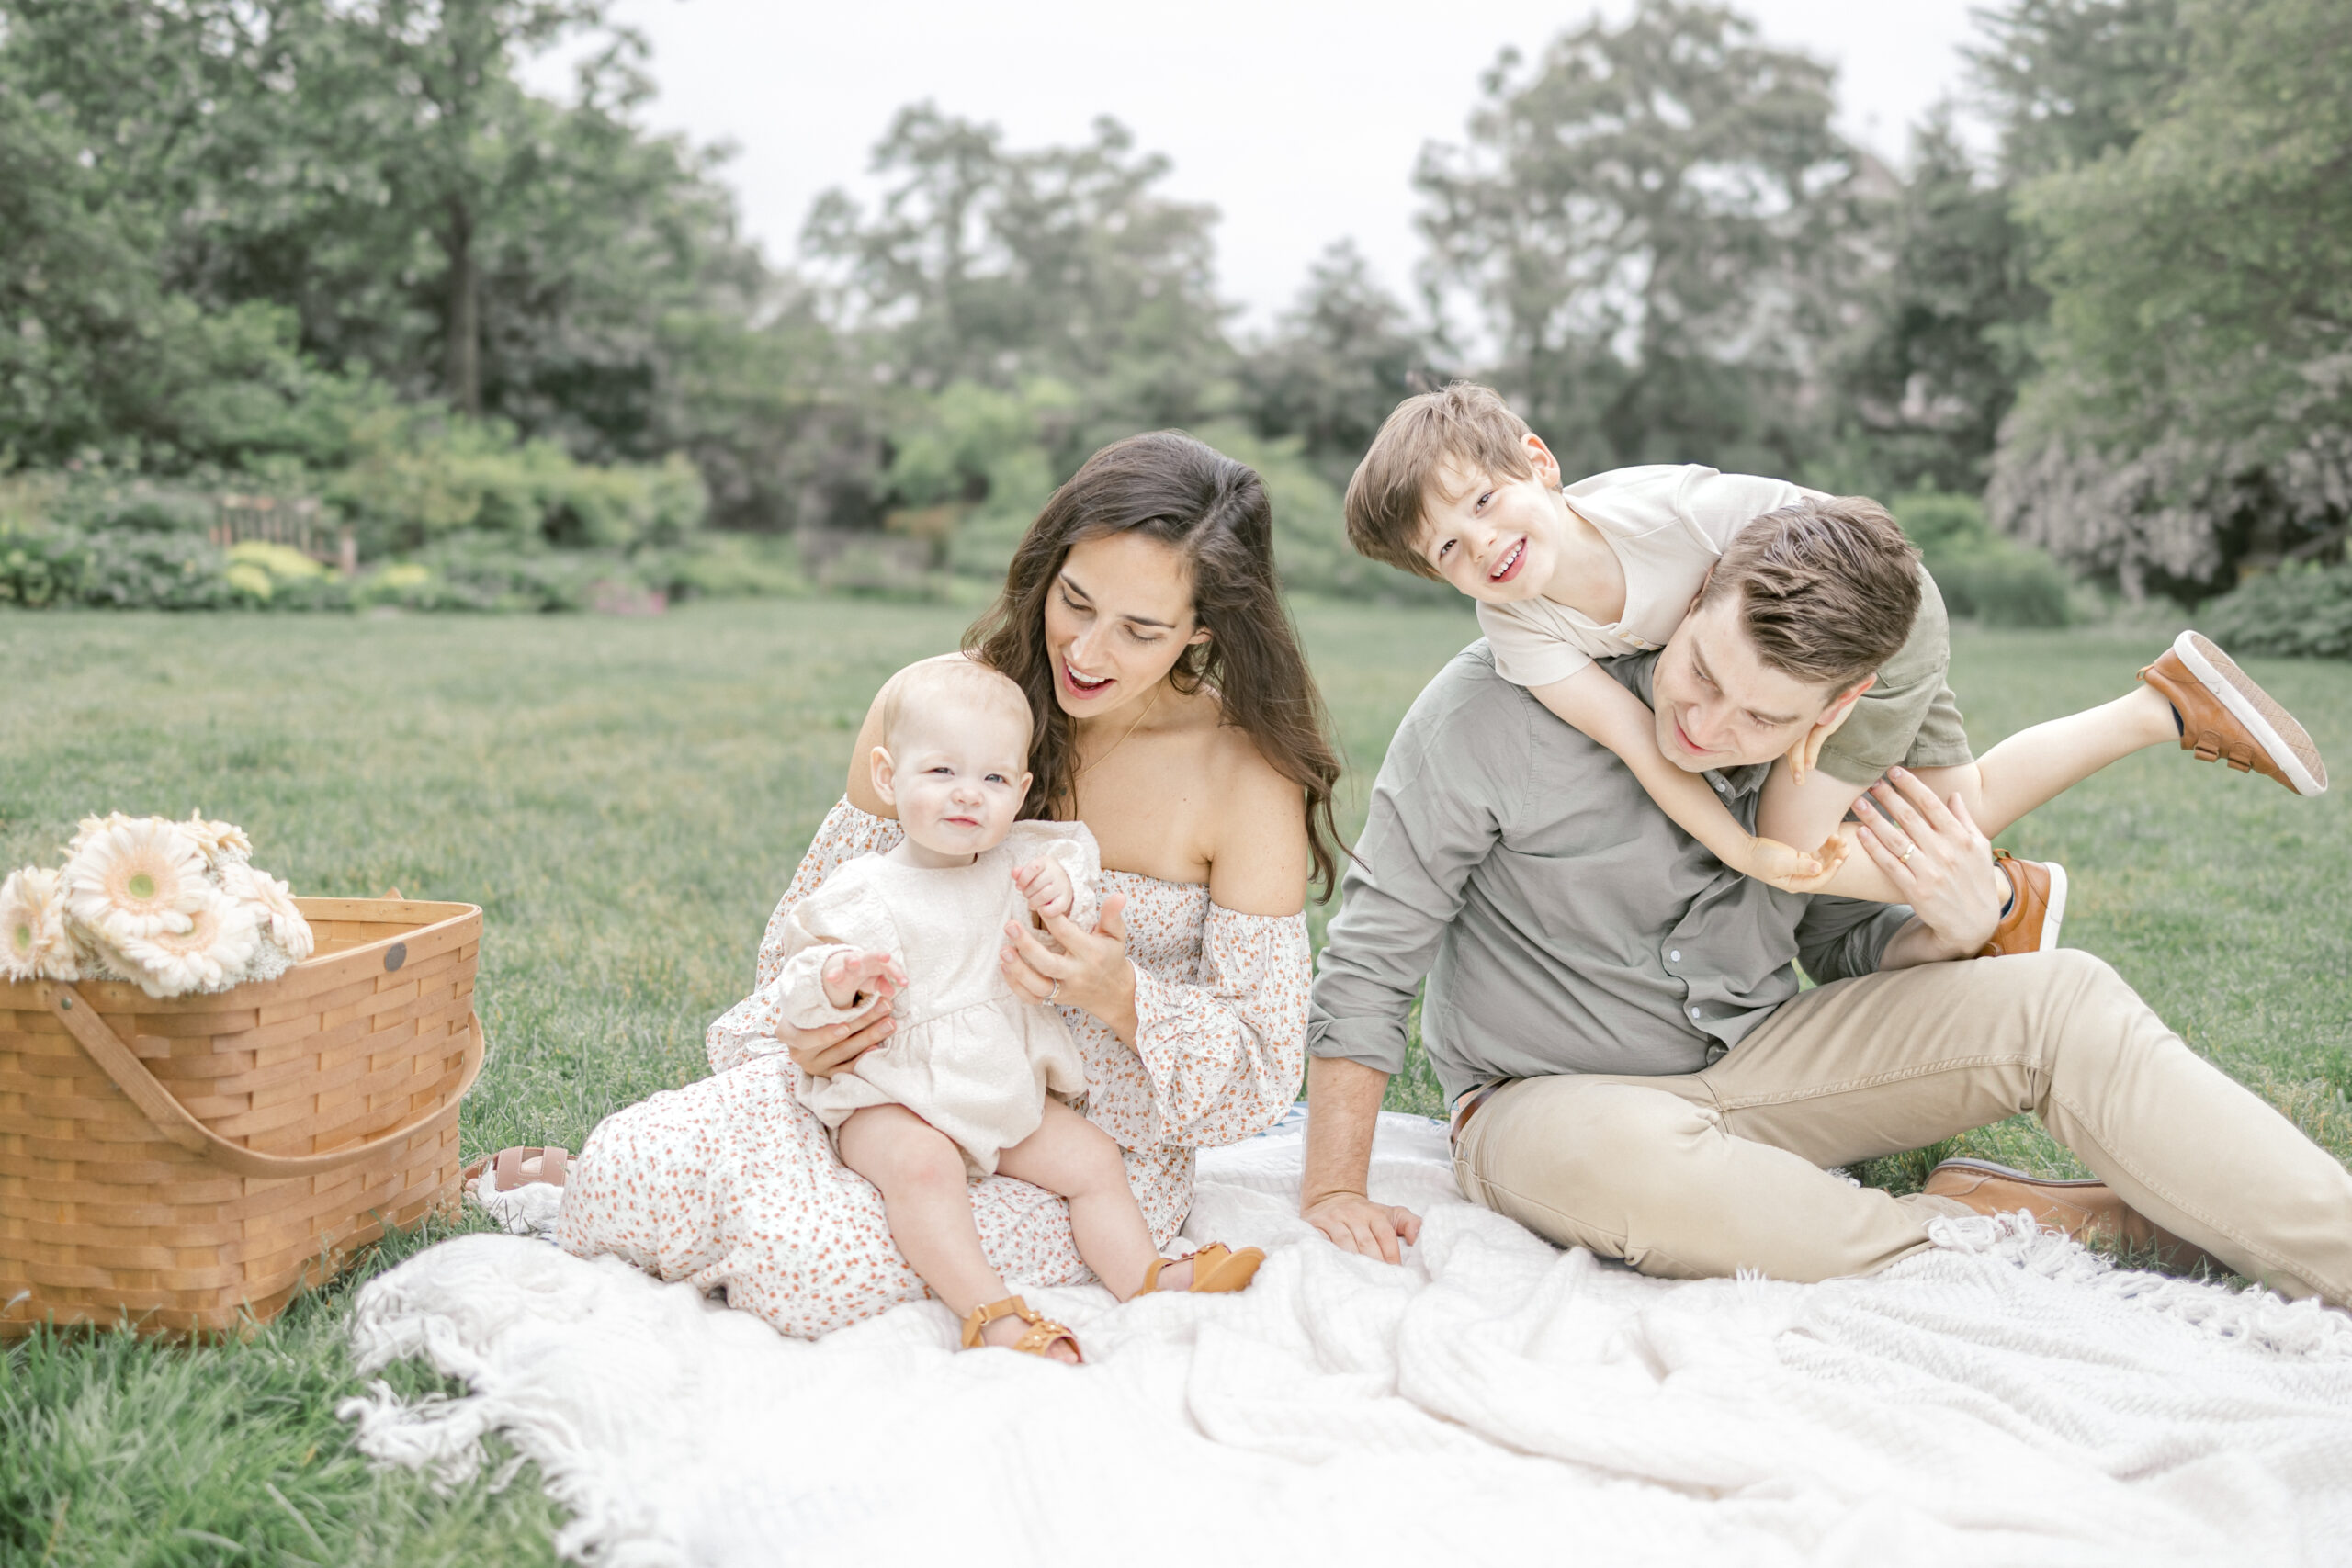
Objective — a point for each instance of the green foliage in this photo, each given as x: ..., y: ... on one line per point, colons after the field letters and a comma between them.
x: 2298, y: 610
x: 1653, y: 220
x: 1341, y: 358
x: 1981, y: 574
x: 2193, y: 408
x: 1310, y: 533
x: 420, y: 478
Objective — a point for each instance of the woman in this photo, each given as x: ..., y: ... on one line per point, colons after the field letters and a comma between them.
x: 1176, y: 718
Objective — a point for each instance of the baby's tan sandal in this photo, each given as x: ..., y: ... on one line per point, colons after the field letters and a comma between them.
x: 1038, y: 1341
x: 1215, y: 1268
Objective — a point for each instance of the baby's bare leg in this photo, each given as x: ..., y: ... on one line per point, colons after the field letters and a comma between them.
x: 920, y: 1173
x: 1071, y: 1155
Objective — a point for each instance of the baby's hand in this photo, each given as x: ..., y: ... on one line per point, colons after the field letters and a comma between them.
x: 856, y: 979
x: 1047, y: 884
x: 1793, y: 870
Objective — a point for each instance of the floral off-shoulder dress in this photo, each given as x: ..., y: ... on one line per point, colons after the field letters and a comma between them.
x: 732, y: 1182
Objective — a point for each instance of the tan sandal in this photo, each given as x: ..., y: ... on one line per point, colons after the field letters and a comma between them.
x: 1215, y: 1267
x: 508, y: 1167
x: 1043, y: 1330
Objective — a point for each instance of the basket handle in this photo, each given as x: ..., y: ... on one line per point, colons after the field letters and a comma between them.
x: 169, y: 1117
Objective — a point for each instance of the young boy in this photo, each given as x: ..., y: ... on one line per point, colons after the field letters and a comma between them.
x: 1457, y: 487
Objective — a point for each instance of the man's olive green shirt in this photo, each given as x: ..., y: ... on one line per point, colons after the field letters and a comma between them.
x: 1563, y: 922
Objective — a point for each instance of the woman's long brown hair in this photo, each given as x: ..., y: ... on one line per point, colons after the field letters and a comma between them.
x: 1213, y: 511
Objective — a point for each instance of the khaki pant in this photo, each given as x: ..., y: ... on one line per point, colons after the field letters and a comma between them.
x: 1720, y: 1169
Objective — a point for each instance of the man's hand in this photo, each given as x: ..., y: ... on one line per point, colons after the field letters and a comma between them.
x: 1356, y: 1223
x: 1938, y: 861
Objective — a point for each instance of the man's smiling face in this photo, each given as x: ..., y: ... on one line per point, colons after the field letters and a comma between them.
x: 1718, y: 705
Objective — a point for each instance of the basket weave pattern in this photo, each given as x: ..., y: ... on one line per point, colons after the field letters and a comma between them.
x: 179, y: 1164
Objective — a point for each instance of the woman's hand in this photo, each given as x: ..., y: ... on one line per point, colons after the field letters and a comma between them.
x: 1092, y: 971
x: 821, y: 1053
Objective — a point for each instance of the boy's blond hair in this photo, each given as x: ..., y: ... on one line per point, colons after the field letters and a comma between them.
x: 1467, y: 425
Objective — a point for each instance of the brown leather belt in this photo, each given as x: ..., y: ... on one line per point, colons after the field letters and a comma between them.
x: 1468, y: 1106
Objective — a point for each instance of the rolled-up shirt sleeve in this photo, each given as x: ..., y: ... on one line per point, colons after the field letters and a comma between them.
x: 1840, y: 939
x: 1447, y: 790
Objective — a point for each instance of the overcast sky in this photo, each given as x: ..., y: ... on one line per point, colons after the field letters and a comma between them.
x: 1299, y: 120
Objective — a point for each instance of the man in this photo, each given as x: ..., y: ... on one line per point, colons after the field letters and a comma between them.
x: 1616, y: 1018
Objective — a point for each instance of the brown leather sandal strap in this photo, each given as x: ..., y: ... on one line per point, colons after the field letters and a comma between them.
x: 1043, y: 1332
x: 980, y: 1317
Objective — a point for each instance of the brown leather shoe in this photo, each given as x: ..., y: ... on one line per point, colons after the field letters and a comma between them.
x: 2037, y: 906
x: 2225, y: 717
x: 2081, y: 1208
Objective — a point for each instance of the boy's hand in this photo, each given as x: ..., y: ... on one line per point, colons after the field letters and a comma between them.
x: 1047, y: 884
x: 1793, y: 870
x: 855, y: 979
x: 1805, y: 755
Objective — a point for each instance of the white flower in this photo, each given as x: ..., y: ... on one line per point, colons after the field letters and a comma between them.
x: 92, y: 827
x: 272, y: 903
x: 223, y: 844
x: 135, y: 877
x: 33, y: 941
x: 211, y: 955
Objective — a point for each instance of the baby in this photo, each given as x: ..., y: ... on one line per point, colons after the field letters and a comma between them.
x: 974, y: 1079
x: 1457, y: 487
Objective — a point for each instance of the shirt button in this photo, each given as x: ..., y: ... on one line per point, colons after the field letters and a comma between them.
x: 1694, y: 1012
x: 1675, y: 957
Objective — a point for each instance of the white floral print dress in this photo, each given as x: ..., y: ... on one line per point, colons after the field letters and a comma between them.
x: 731, y: 1183
x: 969, y: 1057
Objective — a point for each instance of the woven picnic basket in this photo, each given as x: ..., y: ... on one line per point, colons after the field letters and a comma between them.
x: 180, y: 1164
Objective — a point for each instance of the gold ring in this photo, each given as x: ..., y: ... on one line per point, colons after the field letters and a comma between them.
x: 1054, y: 992
x: 1904, y: 858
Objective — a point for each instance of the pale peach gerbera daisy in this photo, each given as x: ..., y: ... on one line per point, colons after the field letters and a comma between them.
x: 272, y: 902
x: 212, y: 953
x: 33, y: 943
x: 223, y: 844
x: 135, y: 877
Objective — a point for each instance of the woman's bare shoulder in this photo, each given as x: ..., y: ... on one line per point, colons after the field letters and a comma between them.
x: 860, y: 785
x: 1259, y: 860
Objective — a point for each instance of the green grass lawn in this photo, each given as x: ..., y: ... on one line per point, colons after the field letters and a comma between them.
x: 626, y: 798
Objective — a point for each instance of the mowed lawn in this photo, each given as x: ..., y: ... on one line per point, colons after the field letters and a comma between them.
x: 626, y: 798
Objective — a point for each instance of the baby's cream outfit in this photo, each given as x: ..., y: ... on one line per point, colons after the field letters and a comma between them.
x: 968, y: 1056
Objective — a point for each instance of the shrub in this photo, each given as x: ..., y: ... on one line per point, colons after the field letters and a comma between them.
x: 1981, y: 574
x: 2297, y: 611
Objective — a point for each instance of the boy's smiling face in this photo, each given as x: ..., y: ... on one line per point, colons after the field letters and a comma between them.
x: 1495, y: 538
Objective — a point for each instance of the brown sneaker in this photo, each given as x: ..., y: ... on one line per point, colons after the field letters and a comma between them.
x: 2081, y: 1208
x: 2224, y: 717
x: 2037, y: 906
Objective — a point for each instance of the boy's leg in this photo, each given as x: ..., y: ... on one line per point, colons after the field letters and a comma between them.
x: 1072, y: 1156
x: 2040, y: 764
x: 920, y: 1173
x: 1720, y: 1170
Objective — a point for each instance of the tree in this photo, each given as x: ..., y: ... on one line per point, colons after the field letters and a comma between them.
x: 1341, y: 359
x: 2069, y: 79
x: 2197, y: 389
x: 1945, y: 340
x: 997, y: 266
x: 1655, y: 223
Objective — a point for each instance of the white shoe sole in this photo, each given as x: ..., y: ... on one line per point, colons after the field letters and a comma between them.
x: 2215, y: 671
x: 2056, y: 915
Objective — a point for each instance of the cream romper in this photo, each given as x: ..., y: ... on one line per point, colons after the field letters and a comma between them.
x: 968, y: 1056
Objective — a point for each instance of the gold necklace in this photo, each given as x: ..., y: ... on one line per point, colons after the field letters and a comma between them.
x: 1122, y: 740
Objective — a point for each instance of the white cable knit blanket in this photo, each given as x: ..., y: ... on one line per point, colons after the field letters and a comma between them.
x: 2004, y: 1399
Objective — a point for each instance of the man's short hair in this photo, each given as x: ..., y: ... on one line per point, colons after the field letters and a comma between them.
x: 1466, y: 423
x: 1828, y: 588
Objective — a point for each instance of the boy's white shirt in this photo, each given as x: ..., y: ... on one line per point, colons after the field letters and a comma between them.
x: 1666, y: 523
